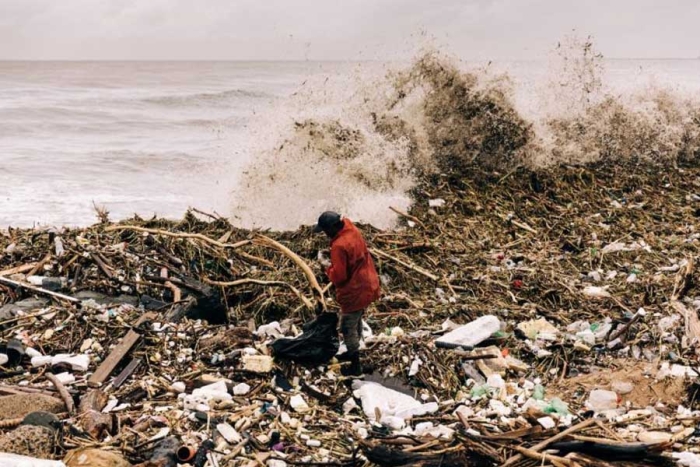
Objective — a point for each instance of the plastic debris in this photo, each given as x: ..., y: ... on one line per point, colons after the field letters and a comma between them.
x: 472, y: 334
x: 601, y: 400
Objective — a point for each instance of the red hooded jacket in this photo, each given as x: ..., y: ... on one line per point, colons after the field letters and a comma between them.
x: 352, y: 270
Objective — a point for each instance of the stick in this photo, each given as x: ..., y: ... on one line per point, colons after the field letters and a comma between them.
x: 408, y: 216
x: 554, y: 460
x: 471, y: 356
x: 18, y: 269
x: 34, y: 315
x: 405, y: 264
x: 547, y: 442
x: 177, y: 293
x: 523, y: 226
x: 38, y: 290
x: 623, y: 328
x: 102, y: 266
x: 204, y: 238
x: 70, y: 405
x: 40, y: 264
x: 296, y: 291
x: 245, y: 255
x: 299, y: 262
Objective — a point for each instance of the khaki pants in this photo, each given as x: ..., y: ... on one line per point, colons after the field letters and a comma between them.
x: 351, y: 327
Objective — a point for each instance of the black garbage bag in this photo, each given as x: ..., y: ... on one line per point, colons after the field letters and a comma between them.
x: 316, y: 346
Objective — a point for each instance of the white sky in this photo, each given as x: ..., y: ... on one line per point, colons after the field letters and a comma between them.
x: 340, y: 29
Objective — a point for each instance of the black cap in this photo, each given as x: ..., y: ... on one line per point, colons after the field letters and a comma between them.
x: 326, y: 221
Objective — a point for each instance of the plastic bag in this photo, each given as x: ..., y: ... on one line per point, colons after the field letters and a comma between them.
x: 317, y: 345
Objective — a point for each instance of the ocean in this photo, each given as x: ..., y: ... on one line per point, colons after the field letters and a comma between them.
x: 154, y: 138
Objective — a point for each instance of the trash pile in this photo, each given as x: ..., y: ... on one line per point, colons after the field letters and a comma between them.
x: 527, y: 318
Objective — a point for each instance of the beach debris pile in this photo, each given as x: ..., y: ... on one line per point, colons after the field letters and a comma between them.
x: 527, y: 318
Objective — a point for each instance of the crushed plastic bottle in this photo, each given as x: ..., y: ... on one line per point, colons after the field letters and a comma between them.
x: 557, y: 406
x: 538, y: 393
x: 481, y: 391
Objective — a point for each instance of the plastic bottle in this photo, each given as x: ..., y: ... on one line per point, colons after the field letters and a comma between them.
x: 538, y: 393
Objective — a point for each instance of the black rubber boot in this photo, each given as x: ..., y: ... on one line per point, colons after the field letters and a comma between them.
x: 355, y: 366
x: 347, y: 356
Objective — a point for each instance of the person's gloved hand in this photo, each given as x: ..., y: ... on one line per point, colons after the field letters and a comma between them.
x: 323, y: 259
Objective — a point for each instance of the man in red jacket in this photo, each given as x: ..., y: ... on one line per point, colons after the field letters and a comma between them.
x: 352, y: 272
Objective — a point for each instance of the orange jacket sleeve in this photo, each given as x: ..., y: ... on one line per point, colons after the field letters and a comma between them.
x: 338, y: 272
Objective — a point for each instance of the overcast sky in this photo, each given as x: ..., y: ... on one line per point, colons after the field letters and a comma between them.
x: 340, y: 29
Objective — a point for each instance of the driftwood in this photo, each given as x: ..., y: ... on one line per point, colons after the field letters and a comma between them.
x: 556, y: 461
x: 91, y: 418
x: 234, y: 337
x: 408, y: 216
x: 63, y: 392
x: 126, y: 372
x: 113, y: 359
x: 384, y: 455
x: 542, y: 445
x: 306, y: 301
x: 405, y: 264
x: 181, y: 309
x: 299, y: 262
x: 166, y: 233
x: 18, y: 269
x: 38, y: 290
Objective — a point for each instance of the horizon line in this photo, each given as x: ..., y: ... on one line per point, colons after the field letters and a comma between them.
x: 245, y: 60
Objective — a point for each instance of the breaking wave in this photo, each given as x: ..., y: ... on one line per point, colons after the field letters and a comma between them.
x: 203, y: 99
x: 360, y: 149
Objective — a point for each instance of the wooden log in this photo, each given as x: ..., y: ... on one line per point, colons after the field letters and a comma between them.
x: 113, y: 359
x: 684, y: 280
